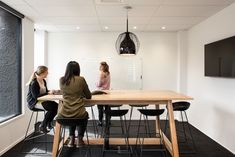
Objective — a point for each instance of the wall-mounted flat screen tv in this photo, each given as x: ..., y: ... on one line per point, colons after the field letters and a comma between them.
x: 220, y: 58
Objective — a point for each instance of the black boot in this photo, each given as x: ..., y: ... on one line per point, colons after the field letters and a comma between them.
x: 71, y: 141
x: 50, y: 126
x: 43, y: 128
x: 80, y: 142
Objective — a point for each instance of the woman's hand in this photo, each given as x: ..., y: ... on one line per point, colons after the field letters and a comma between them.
x: 54, y: 92
x: 51, y: 92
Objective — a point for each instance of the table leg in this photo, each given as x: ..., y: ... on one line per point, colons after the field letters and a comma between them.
x: 56, y: 140
x: 107, y: 131
x: 174, y: 142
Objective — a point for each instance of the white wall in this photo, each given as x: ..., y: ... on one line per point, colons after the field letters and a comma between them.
x: 213, y: 110
x: 157, y: 50
x: 12, y: 131
x: 40, y: 48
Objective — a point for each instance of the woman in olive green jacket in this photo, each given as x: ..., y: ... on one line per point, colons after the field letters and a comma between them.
x: 74, y: 89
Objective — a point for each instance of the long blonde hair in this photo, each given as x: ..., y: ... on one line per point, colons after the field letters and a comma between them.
x: 41, y: 69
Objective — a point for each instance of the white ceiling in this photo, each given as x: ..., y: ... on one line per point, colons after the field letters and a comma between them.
x: 94, y: 15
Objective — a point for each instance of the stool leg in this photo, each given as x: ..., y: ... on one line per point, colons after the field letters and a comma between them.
x: 137, y: 137
x: 148, y: 128
x: 93, y: 122
x: 88, y: 144
x: 129, y: 125
x: 182, y: 118
x: 142, y: 142
x: 127, y: 136
x: 33, y: 136
x: 36, y: 119
x: 26, y: 133
x: 29, y: 125
x: 190, y: 131
x: 122, y: 126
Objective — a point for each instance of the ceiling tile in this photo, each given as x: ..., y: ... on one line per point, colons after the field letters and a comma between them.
x: 168, y: 27
x: 118, y: 28
x: 140, y: 11
x: 82, y: 28
x: 187, y: 10
x: 68, y: 20
x: 26, y: 10
x: 122, y: 28
x: 198, y: 2
x: 110, y: 11
x: 49, y: 28
x: 122, y: 20
x: 67, y: 11
x: 147, y: 15
x: 175, y: 20
x: 36, y: 3
x: 15, y: 2
x: 143, y: 2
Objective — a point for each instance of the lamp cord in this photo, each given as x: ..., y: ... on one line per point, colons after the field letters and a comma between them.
x: 127, y: 20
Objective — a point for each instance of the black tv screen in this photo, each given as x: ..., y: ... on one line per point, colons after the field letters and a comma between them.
x: 220, y: 58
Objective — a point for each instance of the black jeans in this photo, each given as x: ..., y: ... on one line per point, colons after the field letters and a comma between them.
x: 81, y: 128
x: 101, y: 111
x: 51, y: 107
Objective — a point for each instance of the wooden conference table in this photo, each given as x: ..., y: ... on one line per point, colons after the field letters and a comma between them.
x: 133, y: 97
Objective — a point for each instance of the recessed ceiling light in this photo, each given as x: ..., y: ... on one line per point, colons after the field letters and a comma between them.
x: 106, y: 27
x: 163, y: 27
x: 134, y: 27
x: 77, y: 27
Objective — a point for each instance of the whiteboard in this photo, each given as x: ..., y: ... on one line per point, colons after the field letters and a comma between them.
x: 126, y: 73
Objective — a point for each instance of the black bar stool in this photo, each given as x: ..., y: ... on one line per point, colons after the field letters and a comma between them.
x: 142, y: 106
x: 182, y: 106
x: 66, y: 122
x: 35, y: 134
x: 150, y: 134
x: 116, y: 113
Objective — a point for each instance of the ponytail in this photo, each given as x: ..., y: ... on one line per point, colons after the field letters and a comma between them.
x: 32, y: 77
x: 41, y: 69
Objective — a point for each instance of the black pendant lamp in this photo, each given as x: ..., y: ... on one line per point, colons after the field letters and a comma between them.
x: 127, y: 43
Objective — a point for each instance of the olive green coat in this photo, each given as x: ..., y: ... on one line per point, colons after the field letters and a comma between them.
x: 73, y: 98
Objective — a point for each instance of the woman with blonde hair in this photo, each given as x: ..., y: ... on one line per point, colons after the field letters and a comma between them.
x: 37, y: 88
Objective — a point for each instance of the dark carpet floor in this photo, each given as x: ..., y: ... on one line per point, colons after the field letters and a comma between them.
x: 205, y: 147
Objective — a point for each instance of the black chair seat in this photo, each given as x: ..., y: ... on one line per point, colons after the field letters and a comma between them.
x: 37, y: 109
x: 118, y: 105
x: 138, y: 105
x: 71, y: 121
x: 151, y: 112
x: 116, y: 113
x: 180, y: 106
x: 89, y: 105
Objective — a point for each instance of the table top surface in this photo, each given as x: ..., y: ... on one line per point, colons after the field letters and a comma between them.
x: 128, y: 96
